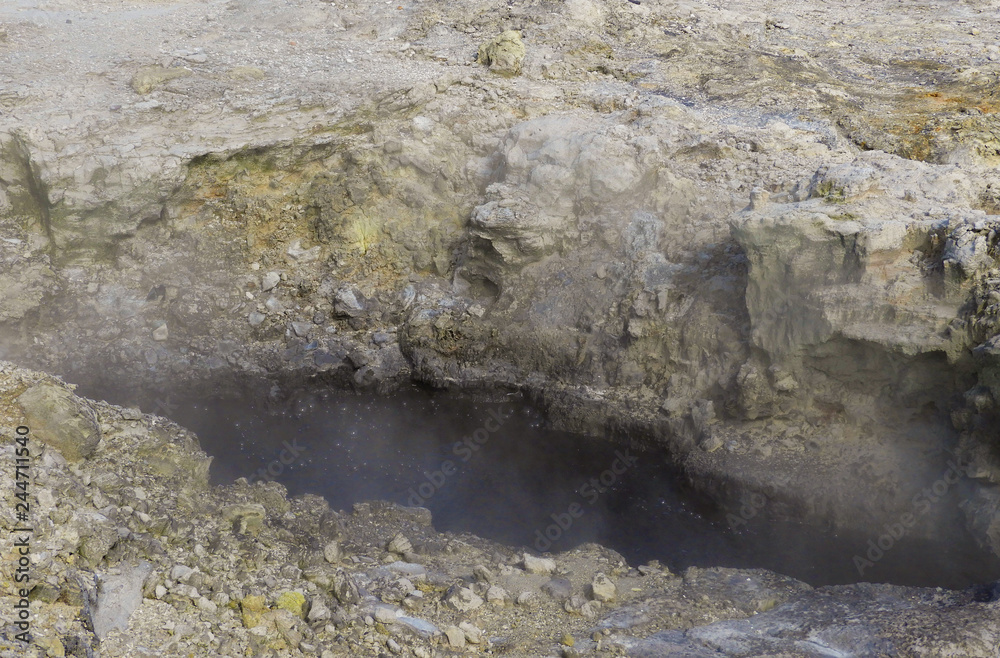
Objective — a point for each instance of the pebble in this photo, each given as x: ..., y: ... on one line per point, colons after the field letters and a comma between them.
x: 456, y: 636
x: 273, y: 305
x: 255, y: 318
x: 301, y: 329
x: 161, y: 332
x: 270, y: 280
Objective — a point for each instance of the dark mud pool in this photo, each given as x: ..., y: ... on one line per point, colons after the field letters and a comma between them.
x: 492, y: 468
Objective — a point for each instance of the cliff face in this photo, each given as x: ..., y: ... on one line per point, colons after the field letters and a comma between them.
x: 765, y: 239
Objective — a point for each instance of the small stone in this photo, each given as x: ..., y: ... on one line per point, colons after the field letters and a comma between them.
x: 273, y: 305
x: 473, y: 635
x: 301, y: 329
x: 318, y: 612
x: 497, y: 595
x: 270, y: 280
x: 590, y: 609
x: 207, y: 605
x: 256, y: 318
x: 344, y: 588
x: 456, y: 636
x: 603, y: 588
x: 293, y: 602
x: 558, y: 588
x: 332, y: 552
x: 504, y: 54
x: 161, y: 332
x: 399, y: 544
x: 381, y: 338
x: 160, y: 591
x: 180, y: 572
x: 527, y: 599
x: 386, y: 614
x: 539, y: 565
x: 567, y: 640
x: 464, y: 599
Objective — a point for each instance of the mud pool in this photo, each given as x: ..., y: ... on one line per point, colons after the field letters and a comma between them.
x: 492, y: 468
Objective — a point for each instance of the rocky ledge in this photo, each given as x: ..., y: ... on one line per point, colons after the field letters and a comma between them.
x: 134, y: 554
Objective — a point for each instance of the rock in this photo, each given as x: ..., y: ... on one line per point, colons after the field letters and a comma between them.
x: 463, y: 599
x: 504, y: 54
x: 497, y: 595
x: 558, y: 588
x: 273, y: 305
x: 149, y: 78
x: 296, y: 252
x: 332, y: 552
x: 119, y: 594
x: 60, y: 419
x: 603, y: 588
x: 293, y: 602
x: 344, y: 589
x: 422, y: 627
x: 346, y: 303
x: 539, y: 565
x: 399, y: 544
x: 455, y: 636
x: 207, y: 605
x: 527, y: 599
x: 253, y: 608
x: 269, y: 281
x: 255, y: 318
x: 318, y: 612
x: 473, y: 635
x: 302, y: 329
x: 181, y: 572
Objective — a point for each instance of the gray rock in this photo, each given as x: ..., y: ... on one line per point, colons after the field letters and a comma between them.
x: 60, y: 419
x: 274, y: 305
x: 161, y: 333
x: 558, y: 588
x: 332, y: 552
x: 255, y: 318
x: 302, y: 329
x: 119, y: 594
x: 269, y: 281
x: 344, y: 589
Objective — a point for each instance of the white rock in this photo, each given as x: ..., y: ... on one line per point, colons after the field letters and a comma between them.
x: 541, y: 565
x: 603, y: 588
